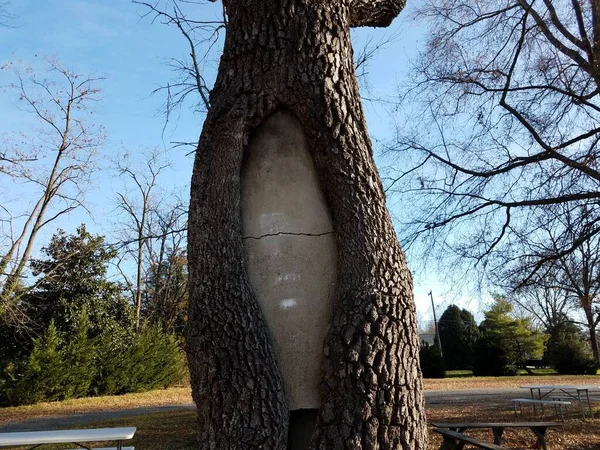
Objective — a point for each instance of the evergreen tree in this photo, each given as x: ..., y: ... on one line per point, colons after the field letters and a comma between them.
x: 41, y: 376
x: 86, y: 343
x: 79, y: 359
x: 568, y: 352
x: 432, y: 363
x: 505, y: 342
x: 458, y: 333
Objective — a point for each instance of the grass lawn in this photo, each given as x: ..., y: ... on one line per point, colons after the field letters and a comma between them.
x: 470, y: 382
x: 161, y: 431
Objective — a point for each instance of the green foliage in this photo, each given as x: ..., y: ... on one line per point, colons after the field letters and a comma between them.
x: 153, y: 360
x: 505, y: 342
x: 568, y: 352
x: 493, y: 358
x: 73, y: 279
x: 432, y: 363
x: 61, y: 367
x: 111, y: 366
x: 41, y: 375
x: 458, y: 333
x: 86, y: 344
x: 78, y: 360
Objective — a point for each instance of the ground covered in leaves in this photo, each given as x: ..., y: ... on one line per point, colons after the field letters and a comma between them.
x: 574, y: 434
x: 176, y: 430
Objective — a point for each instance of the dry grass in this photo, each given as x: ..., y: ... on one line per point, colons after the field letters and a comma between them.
x: 576, y: 434
x: 171, y: 396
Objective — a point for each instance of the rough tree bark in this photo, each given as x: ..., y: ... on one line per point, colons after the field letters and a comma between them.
x: 296, y: 55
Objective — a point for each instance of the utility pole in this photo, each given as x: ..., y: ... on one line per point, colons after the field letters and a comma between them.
x: 435, y: 325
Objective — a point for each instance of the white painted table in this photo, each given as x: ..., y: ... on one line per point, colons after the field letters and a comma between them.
x: 76, y: 437
x: 576, y: 392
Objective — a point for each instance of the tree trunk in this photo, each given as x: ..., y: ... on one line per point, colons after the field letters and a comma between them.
x: 295, y: 55
x: 589, y: 314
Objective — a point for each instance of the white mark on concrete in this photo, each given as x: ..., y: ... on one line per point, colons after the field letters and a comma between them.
x: 288, y: 303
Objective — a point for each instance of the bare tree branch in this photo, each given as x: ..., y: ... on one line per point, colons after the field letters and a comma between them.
x: 505, y: 108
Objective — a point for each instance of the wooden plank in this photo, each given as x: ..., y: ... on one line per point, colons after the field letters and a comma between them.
x: 496, y: 424
x: 451, y: 438
x: 107, y: 448
x: 540, y: 402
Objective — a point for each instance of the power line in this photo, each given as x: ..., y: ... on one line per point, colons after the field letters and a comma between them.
x: 437, y: 333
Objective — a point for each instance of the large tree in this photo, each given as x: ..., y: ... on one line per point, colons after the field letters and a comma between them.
x: 506, y: 342
x: 296, y: 56
x: 505, y: 142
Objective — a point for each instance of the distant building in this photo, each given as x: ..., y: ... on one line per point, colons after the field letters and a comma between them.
x: 426, y: 338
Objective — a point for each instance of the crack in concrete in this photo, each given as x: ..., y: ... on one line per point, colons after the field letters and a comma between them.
x: 283, y: 233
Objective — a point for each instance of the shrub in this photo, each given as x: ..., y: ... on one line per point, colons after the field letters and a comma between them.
x: 112, y: 363
x: 432, y: 363
x: 154, y: 360
x: 78, y: 357
x: 568, y: 352
x: 40, y: 376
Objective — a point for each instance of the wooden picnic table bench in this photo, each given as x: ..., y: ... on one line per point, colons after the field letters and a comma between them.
x: 538, y: 428
x: 37, y: 438
x: 558, y: 405
x: 454, y: 440
x: 571, y: 392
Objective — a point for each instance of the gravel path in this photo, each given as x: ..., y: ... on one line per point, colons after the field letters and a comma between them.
x: 433, y: 399
x: 496, y: 396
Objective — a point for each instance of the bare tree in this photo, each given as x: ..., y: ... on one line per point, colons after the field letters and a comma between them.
x: 53, y: 164
x: 137, y: 205
x: 166, y: 274
x: 547, y: 303
x: 505, y: 113
x: 576, y: 275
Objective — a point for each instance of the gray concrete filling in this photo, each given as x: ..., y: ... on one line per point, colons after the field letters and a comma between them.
x: 290, y: 251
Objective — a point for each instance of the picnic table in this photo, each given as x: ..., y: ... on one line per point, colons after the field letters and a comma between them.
x: 549, y: 393
x: 538, y: 428
x: 37, y: 438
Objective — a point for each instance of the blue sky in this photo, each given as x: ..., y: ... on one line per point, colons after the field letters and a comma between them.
x: 109, y: 37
